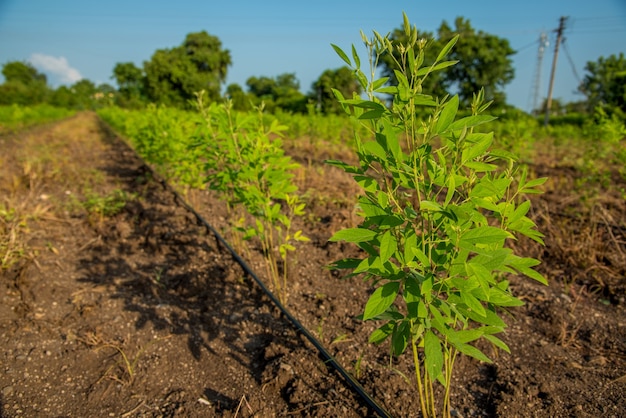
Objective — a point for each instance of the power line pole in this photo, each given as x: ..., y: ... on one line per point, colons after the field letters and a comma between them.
x: 543, y: 44
x: 559, y: 36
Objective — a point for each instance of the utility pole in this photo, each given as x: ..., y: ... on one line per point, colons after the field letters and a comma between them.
x: 543, y: 44
x: 559, y: 36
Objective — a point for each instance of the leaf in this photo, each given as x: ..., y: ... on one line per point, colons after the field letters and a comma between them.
x: 345, y: 263
x: 388, y: 246
x: 387, y: 89
x: 437, y: 67
x: 497, y: 342
x: 473, y: 303
x: 344, y: 166
x: 353, y: 235
x: 483, y: 235
x: 451, y: 189
x: 423, y: 258
x: 446, y: 49
x: 379, y: 335
x: 355, y: 56
x: 382, y: 298
x: 379, y: 83
x: 341, y: 54
x: 429, y: 206
x: 470, y: 350
x: 479, y: 148
x: 447, y: 115
x: 433, y: 355
x: 400, y: 337
x: 470, y: 121
x: 524, y: 264
x: 375, y: 149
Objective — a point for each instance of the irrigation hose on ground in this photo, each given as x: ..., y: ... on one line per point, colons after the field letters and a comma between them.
x: 326, y: 356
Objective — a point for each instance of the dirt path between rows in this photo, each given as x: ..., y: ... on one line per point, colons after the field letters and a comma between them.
x: 141, y: 313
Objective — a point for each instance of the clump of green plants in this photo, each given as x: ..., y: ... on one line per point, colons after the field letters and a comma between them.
x: 439, y: 205
x: 102, y: 206
x: 244, y: 161
x: 15, y: 117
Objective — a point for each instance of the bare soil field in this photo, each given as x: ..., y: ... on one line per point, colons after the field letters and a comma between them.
x: 136, y: 310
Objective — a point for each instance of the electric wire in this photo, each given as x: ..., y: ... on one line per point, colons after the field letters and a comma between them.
x: 571, y: 61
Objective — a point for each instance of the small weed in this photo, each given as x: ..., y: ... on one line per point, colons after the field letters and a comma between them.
x: 108, y: 205
x: 125, y: 368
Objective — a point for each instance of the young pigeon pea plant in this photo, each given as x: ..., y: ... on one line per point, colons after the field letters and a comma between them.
x: 438, y: 206
x: 246, y: 163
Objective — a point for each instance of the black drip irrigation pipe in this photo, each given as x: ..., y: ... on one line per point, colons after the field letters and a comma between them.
x: 326, y: 356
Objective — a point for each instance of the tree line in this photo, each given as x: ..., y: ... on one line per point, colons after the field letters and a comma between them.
x: 172, y: 76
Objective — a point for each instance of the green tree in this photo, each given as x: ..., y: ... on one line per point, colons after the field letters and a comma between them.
x: 605, y: 84
x: 342, y: 79
x: 240, y: 99
x: 130, y: 81
x: 172, y: 76
x: 84, y: 92
x: 63, y: 97
x: 281, y: 92
x: 484, y: 61
x: 23, y: 84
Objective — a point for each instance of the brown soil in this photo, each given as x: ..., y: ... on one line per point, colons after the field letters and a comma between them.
x: 142, y: 313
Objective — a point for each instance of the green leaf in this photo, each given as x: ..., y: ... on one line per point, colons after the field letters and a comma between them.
x: 345, y: 263
x: 427, y: 70
x: 353, y: 235
x: 382, y: 298
x: 497, y: 342
x: 473, y: 303
x: 400, y: 337
x: 341, y: 54
x: 470, y: 350
x: 446, y: 49
x: 470, y: 121
x: 344, y: 166
x: 423, y: 258
x: 429, y: 206
x: 447, y: 115
x: 379, y: 335
x: 484, y: 235
x: 388, y: 90
x: 451, y: 189
x: 355, y: 56
x: 375, y: 149
x: 379, y: 83
x: 529, y: 188
x: 479, y: 148
x: 433, y: 355
x: 524, y: 264
x: 388, y: 246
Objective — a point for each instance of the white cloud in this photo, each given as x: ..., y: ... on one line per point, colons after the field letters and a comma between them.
x: 57, y: 66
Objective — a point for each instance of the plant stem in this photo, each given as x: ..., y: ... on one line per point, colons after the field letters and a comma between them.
x: 418, y: 378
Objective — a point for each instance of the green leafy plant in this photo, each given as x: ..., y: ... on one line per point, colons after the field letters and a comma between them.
x: 245, y: 162
x: 438, y: 207
x: 108, y: 205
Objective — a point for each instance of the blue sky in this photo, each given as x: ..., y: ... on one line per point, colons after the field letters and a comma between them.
x: 70, y: 39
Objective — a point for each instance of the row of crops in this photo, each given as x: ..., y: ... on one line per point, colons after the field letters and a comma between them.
x: 438, y: 205
x: 444, y: 191
x: 15, y: 117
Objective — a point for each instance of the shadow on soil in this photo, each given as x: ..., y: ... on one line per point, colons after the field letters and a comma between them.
x: 170, y: 272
